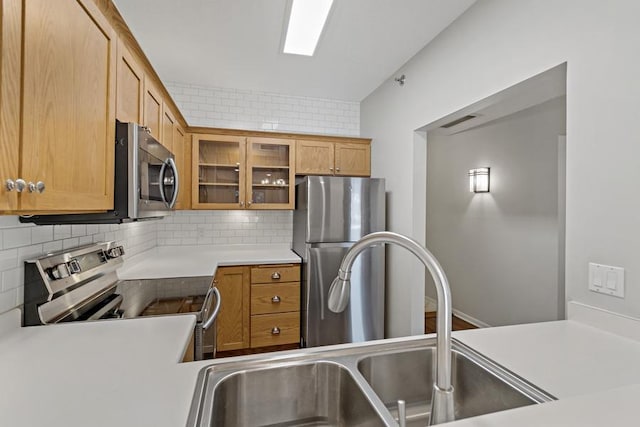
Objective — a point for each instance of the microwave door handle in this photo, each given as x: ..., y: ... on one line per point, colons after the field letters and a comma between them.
x: 176, y: 182
x: 161, y: 182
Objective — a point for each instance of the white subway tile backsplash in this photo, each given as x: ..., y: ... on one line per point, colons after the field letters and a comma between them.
x: 16, y: 237
x: 30, y: 241
x: 253, y: 110
x: 226, y: 227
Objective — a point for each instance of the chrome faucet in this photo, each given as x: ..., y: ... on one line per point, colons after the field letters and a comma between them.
x: 442, y: 402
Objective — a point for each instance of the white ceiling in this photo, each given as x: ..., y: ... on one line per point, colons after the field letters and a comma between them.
x: 237, y: 43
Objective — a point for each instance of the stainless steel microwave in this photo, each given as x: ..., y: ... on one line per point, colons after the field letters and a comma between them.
x: 146, y: 183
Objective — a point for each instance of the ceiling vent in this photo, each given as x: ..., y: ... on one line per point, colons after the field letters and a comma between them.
x: 458, y: 121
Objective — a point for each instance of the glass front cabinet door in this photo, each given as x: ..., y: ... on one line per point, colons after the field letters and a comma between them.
x: 231, y: 172
x: 218, y: 180
x: 270, y: 174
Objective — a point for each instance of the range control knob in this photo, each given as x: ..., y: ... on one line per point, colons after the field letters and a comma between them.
x: 60, y: 271
x: 115, y: 252
x: 74, y: 266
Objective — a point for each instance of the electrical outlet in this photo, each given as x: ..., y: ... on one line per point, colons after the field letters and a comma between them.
x: 606, y: 279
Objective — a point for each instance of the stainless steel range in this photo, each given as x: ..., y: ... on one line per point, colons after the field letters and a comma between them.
x: 82, y: 284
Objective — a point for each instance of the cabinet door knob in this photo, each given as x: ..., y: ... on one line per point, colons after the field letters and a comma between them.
x: 38, y: 187
x: 331, y: 169
x: 242, y: 204
x: 275, y: 331
x: 10, y: 185
x: 275, y: 276
x: 20, y: 185
x: 337, y: 169
x: 275, y: 299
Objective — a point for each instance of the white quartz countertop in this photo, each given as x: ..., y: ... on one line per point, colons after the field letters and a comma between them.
x: 107, y: 373
x: 127, y: 372
x: 195, y: 261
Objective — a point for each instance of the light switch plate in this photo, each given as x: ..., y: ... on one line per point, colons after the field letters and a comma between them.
x: 606, y: 279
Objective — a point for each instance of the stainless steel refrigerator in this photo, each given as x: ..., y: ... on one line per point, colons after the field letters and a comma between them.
x: 331, y: 214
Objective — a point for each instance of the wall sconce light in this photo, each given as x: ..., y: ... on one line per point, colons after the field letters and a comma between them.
x: 479, y: 180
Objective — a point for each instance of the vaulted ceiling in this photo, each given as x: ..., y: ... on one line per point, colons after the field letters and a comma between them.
x: 237, y: 43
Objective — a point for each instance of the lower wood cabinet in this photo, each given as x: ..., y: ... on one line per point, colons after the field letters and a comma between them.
x: 232, y: 324
x: 260, y: 306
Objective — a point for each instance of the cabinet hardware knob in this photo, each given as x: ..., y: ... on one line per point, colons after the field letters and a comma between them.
x: 275, y: 331
x: 248, y: 203
x: 20, y: 185
x: 10, y: 185
x: 275, y: 276
x: 331, y: 169
x: 241, y: 204
x: 38, y: 187
x: 275, y: 299
x: 337, y: 169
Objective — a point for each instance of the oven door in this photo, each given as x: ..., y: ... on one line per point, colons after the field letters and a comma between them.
x: 157, y: 177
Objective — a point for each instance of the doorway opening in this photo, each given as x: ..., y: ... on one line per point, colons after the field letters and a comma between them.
x: 502, y: 249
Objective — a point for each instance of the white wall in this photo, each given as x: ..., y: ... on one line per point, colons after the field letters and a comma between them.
x: 246, y: 109
x: 499, y: 249
x: 494, y: 45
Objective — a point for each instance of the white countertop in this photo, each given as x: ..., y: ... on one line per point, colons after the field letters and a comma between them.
x: 67, y: 375
x: 195, y: 261
x: 108, y: 373
x: 127, y: 372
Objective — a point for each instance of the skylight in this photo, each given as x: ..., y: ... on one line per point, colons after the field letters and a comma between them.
x: 306, y: 22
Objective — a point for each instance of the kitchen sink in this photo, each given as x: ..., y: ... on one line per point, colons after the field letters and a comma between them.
x: 314, y: 394
x: 352, y: 385
x: 480, y: 386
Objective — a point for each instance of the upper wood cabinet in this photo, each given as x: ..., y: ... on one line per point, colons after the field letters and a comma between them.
x: 218, y: 172
x: 333, y: 158
x: 270, y: 174
x: 152, y: 110
x: 182, y: 153
x: 231, y: 172
x: 168, y: 129
x: 67, y: 105
x: 352, y: 159
x: 315, y: 158
x: 10, y: 67
x: 129, y: 87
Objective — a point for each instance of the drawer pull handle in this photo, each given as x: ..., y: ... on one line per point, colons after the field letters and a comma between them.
x: 275, y: 331
x: 275, y: 299
x: 275, y: 276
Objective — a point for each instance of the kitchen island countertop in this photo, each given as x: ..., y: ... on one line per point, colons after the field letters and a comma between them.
x: 127, y: 372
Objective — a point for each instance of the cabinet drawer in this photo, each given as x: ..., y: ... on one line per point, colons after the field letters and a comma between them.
x: 275, y: 329
x: 275, y: 298
x: 275, y: 274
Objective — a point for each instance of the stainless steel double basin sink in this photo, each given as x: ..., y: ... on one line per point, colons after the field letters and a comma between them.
x: 357, y: 385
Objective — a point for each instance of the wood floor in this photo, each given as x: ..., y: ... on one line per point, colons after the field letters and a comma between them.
x: 457, y: 323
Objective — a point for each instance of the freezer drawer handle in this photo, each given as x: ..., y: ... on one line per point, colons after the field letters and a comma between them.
x: 275, y: 299
x: 275, y: 331
x: 275, y: 276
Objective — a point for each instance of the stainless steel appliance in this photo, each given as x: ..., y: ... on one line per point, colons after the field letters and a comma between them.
x: 331, y: 214
x: 82, y: 284
x: 146, y: 183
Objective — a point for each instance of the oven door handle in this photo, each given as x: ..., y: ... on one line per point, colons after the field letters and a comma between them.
x: 216, y: 310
